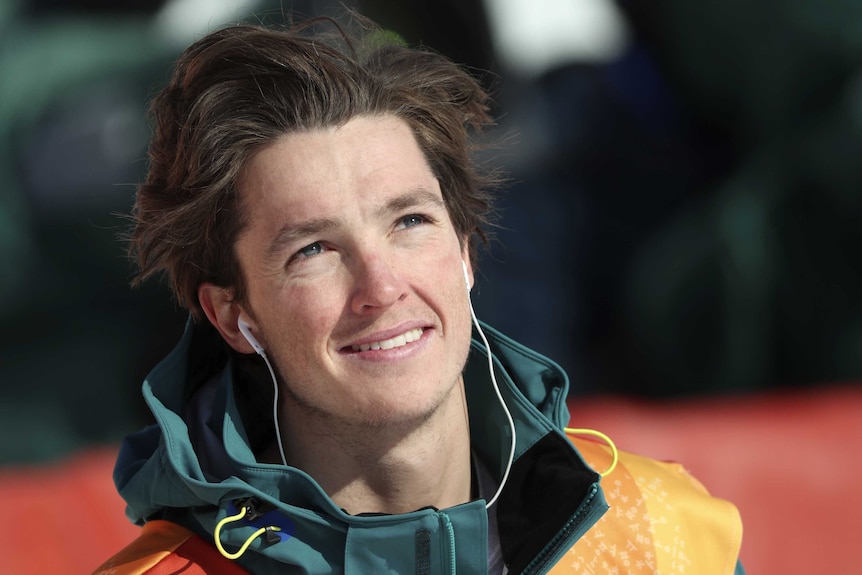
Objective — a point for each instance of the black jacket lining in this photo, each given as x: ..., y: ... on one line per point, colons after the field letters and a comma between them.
x: 546, y: 486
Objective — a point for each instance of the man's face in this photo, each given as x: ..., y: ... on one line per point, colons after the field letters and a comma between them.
x: 354, y: 277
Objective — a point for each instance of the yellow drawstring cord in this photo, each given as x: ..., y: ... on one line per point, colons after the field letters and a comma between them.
x: 244, y: 547
x: 603, y: 437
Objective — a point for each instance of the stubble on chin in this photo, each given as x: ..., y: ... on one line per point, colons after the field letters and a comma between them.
x: 358, y: 427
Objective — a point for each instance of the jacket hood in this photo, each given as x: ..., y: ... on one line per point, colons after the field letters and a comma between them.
x: 196, y: 463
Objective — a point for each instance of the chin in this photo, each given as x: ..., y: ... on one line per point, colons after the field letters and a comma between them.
x: 407, y: 414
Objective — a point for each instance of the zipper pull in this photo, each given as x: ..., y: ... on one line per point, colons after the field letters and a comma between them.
x: 254, y: 507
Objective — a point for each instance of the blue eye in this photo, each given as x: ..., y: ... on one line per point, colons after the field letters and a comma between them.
x: 311, y: 250
x: 412, y: 220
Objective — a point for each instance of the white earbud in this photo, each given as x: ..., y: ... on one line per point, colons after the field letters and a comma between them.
x: 466, y: 276
x: 245, y: 330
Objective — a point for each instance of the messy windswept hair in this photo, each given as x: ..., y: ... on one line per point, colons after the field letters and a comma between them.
x: 239, y: 89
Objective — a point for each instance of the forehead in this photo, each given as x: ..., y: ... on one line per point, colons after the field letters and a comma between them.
x: 365, y: 156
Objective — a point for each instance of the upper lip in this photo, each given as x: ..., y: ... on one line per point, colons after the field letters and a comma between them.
x: 387, y: 333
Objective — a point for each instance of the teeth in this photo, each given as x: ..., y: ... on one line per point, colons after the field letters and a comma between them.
x: 396, y: 341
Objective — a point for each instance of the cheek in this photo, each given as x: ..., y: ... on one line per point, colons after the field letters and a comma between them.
x: 453, y: 299
x: 301, y: 317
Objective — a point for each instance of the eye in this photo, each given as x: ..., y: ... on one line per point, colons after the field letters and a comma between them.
x: 309, y: 250
x: 412, y: 220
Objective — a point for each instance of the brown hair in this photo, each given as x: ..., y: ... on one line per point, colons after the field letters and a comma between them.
x: 240, y: 88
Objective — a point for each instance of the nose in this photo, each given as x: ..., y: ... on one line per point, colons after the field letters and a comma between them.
x: 377, y: 285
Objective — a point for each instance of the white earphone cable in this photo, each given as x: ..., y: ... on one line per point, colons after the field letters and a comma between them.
x: 275, y: 408
x: 500, y: 399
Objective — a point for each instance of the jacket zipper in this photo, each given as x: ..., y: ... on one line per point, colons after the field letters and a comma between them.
x: 588, y: 514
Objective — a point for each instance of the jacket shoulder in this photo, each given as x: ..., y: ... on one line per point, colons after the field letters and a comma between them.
x: 165, y: 548
x: 661, y: 519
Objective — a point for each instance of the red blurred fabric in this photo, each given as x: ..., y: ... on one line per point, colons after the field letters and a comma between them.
x: 791, y: 462
x: 62, y: 518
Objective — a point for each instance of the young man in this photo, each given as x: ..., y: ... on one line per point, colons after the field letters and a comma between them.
x: 314, y: 203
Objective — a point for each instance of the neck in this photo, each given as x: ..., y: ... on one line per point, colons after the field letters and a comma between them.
x: 392, y: 468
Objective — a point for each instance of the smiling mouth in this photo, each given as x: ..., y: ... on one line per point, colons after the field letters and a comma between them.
x: 397, y: 341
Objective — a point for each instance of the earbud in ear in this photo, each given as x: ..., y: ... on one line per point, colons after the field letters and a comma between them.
x: 466, y: 275
x: 245, y: 330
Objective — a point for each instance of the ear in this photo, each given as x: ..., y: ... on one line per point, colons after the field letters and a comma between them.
x: 224, y: 313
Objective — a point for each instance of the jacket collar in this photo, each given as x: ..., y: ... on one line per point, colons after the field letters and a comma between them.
x: 194, y: 473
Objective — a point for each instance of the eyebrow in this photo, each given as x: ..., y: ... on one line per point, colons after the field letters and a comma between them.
x: 413, y: 198
x: 289, y: 233
x: 292, y: 232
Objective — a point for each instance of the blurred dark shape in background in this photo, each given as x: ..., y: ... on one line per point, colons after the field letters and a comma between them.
x: 756, y: 282
x: 683, y: 216
x: 72, y: 145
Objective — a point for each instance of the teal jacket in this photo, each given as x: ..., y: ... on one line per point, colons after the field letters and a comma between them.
x: 197, y: 467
